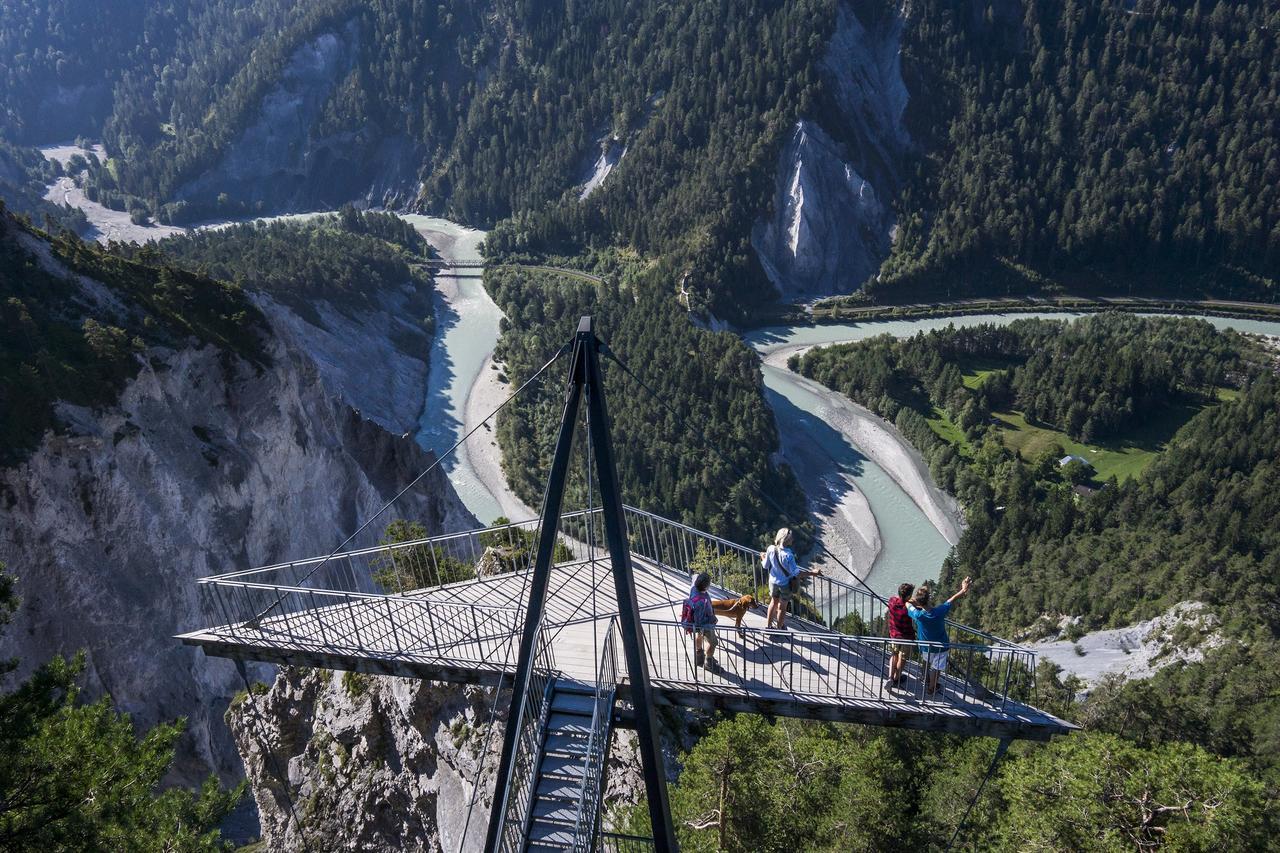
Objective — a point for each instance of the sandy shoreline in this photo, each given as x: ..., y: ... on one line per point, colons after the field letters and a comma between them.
x: 844, y: 519
x: 883, y: 444
x: 482, y: 448
x: 474, y: 387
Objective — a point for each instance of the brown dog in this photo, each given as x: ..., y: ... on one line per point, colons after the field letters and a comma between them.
x: 735, y: 608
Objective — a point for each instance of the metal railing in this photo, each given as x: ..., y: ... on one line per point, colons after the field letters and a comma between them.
x: 822, y: 601
x: 584, y: 832
x: 616, y: 842
x: 353, y: 622
x: 394, y: 599
x: 822, y: 666
x: 529, y: 713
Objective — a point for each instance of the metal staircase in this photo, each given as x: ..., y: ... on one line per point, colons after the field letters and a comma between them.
x: 565, y: 809
x: 562, y: 768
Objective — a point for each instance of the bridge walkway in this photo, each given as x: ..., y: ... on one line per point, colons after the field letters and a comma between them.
x: 467, y: 631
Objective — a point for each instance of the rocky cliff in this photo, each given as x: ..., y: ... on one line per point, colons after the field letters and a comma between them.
x: 285, y: 159
x: 371, y: 763
x: 831, y: 219
x: 204, y: 463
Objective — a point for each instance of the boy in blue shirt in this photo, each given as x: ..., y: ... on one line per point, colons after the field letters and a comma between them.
x: 931, y: 627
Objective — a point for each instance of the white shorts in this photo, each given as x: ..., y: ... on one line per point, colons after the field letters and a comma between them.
x: 937, y: 660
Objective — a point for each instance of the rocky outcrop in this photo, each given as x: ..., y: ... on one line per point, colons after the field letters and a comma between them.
x: 374, y: 763
x: 281, y: 161
x: 205, y: 463
x: 829, y: 229
x: 612, y: 150
x: 831, y: 219
x: 373, y: 357
x: 353, y: 762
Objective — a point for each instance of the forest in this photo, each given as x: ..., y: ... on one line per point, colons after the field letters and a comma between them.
x: 708, y: 394
x: 346, y: 258
x: 504, y: 105
x: 1109, y: 146
x: 754, y: 785
x: 49, y: 354
x: 1197, y: 524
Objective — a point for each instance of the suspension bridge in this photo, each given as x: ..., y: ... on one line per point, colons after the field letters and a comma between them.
x: 576, y: 615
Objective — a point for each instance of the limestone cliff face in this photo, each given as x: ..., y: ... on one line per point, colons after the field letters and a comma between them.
x: 374, y: 358
x: 831, y: 220
x: 281, y: 161
x: 374, y: 763
x: 204, y: 464
x: 369, y: 763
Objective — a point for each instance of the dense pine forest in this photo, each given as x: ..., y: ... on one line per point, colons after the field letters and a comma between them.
x: 346, y: 258
x: 708, y: 391
x: 1110, y: 145
x: 1196, y: 524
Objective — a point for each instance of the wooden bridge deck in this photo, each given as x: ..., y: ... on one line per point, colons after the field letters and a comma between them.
x: 469, y: 632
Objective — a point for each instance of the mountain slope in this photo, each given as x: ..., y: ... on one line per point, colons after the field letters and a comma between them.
x: 194, y: 453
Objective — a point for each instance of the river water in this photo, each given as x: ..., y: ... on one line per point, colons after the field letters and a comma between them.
x: 467, y: 327
x: 912, y: 548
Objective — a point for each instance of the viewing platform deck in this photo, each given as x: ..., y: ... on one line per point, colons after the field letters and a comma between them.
x: 340, y: 613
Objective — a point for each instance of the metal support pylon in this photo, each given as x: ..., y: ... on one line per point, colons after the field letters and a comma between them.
x: 585, y: 378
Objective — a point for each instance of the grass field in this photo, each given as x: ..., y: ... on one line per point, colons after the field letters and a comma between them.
x: 1123, y: 458
x: 947, y: 430
x: 973, y: 372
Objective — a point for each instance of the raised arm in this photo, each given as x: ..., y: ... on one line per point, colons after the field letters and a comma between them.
x: 961, y: 593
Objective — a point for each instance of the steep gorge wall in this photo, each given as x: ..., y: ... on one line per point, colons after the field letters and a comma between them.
x: 285, y: 160
x: 831, y: 219
x: 204, y: 464
x: 374, y: 763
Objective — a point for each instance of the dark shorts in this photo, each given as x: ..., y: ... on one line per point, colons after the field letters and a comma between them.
x: 782, y: 592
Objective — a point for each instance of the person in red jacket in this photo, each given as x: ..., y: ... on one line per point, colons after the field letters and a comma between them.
x: 902, y: 631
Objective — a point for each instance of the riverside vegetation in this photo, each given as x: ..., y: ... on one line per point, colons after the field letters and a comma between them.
x: 1197, y: 523
x: 1056, y: 145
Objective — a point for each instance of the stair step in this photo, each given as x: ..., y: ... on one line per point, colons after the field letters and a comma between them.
x: 563, y: 766
x: 555, y: 811
x: 541, y: 847
x: 565, y: 685
x: 567, y: 744
x: 574, y: 703
x: 558, y: 789
x: 562, y: 723
x: 550, y: 833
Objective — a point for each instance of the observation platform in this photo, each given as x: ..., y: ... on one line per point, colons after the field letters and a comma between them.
x: 383, y: 610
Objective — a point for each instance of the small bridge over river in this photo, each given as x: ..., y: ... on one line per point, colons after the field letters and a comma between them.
x: 575, y: 611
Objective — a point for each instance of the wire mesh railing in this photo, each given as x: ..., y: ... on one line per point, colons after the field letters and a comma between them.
x: 607, y: 679
x: 529, y: 713
x: 824, y: 666
x: 393, y: 599
x: 357, y: 623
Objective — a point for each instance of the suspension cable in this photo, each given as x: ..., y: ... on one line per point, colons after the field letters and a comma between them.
x: 509, y: 644
x: 991, y: 769
x: 271, y: 757
x: 750, y: 481
x: 564, y: 349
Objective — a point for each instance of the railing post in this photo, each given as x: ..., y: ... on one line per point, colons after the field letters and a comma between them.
x: 583, y: 345
x: 633, y: 641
